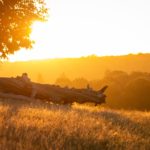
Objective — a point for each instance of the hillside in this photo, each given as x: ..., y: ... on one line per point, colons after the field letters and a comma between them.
x: 91, y: 67
x: 25, y: 125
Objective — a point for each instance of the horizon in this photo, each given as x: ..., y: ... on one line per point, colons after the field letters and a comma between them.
x: 78, y: 57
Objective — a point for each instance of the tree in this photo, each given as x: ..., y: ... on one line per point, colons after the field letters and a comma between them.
x: 63, y: 81
x: 16, y: 18
x: 80, y: 83
x: 137, y: 93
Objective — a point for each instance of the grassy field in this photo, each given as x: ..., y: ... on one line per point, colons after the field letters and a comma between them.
x: 28, y: 126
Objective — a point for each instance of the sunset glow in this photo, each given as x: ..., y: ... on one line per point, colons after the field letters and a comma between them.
x: 98, y: 27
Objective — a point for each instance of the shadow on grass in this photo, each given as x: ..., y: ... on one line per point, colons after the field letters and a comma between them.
x: 120, y: 120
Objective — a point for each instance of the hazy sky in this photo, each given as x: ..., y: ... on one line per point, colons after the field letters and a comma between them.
x: 84, y: 27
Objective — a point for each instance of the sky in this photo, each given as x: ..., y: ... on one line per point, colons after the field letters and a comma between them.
x: 83, y: 27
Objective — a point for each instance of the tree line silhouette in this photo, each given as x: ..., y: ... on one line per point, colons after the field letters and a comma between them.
x: 126, y: 90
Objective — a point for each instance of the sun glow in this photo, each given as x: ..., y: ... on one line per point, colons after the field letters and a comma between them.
x: 78, y: 29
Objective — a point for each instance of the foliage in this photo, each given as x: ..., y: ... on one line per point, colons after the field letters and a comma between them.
x: 125, y: 90
x: 63, y: 80
x: 16, y: 18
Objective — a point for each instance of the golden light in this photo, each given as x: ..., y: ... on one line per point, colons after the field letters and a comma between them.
x: 78, y: 29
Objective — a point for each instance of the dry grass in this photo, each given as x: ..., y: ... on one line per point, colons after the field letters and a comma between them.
x: 24, y: 126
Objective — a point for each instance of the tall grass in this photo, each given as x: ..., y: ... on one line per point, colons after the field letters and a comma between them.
x: 24, y: 126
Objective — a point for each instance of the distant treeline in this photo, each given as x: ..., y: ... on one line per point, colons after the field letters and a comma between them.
x: 91, y: 67
x: 129, y: 91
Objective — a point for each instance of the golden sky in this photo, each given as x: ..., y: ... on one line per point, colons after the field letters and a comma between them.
x: 84, y: 27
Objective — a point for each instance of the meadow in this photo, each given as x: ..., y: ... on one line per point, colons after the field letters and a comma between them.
x: 26, y: 125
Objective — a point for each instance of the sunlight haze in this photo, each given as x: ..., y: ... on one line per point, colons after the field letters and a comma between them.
x: 83, y: 27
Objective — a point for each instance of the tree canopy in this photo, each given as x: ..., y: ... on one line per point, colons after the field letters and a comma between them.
x: 16, y: 18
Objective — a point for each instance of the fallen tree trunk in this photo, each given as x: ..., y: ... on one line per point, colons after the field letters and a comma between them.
x: 15, y: 86
x: 51, y: 93
x: 16, y: 97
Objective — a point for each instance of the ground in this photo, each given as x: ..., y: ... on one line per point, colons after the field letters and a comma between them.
x: 26, y: 125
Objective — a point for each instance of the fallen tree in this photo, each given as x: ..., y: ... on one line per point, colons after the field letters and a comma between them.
x: 52, y: 93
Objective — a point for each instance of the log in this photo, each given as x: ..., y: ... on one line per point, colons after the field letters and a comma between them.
x: 15, y: 86
x: 51, y: 93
